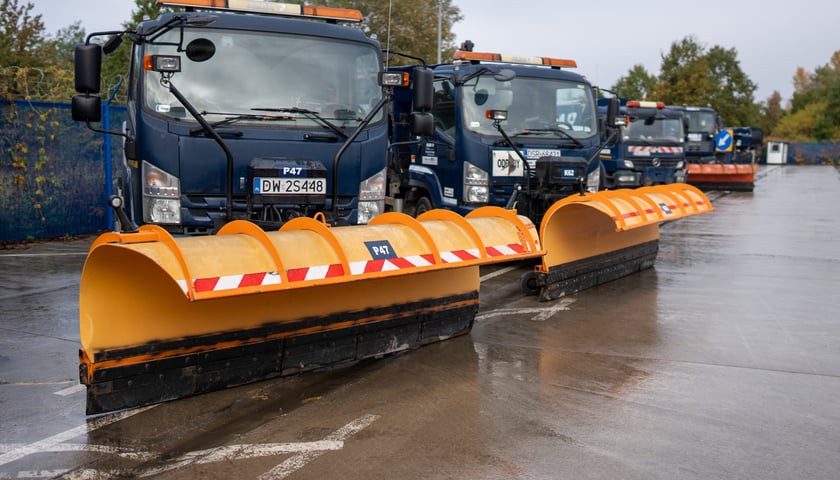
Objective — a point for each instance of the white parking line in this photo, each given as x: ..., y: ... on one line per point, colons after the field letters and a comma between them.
x: 498, y: 272
x: 305, y: 452
x: 70, y: 390
x: 541, y: 314
x: 51, y: 442
x: 298, y: 461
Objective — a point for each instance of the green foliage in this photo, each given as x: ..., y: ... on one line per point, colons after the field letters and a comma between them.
x: 22, y: 41
x: 637, y: 85
x: 815, y: 106
x: 691, y: 74
x: 64, y: 42
x: 407, y: 27
x: 771, y: 113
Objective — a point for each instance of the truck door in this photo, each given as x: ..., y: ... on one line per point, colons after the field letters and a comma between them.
x: 438, y: 152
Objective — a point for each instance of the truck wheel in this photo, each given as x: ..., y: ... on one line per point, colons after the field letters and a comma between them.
x: 530, y: 285
x: 421, y: 206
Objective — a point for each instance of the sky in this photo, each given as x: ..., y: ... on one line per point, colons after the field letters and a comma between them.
x: 606, y: 37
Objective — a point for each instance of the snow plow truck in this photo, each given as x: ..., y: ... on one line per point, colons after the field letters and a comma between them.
x: 523, y: 132
x: 262, y: 248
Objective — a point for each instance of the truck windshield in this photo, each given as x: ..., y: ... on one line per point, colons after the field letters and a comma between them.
x: 536, y: 106
x: 701, y: 122
x: 308, y: 79
x: 654, y: 129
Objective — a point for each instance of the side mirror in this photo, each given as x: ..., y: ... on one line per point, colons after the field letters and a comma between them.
x: 86, y: 108
x: 424, y: 90
x: 422, y: 123
x: 88, y: 65
x: 612, y: 112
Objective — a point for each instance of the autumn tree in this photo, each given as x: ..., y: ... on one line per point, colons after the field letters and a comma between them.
x: 22, y: 38
x: 65, y: 41
x: 771, y: 113
x: 815, y: 106
x: 408, y: 27
x: 637, y: 84
x: 691, y: 74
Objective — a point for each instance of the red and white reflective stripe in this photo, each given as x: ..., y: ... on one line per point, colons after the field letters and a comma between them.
x: 318, y: 272
x: 456, y: 256
x: 230, y: 282
x: 321, y: 272
x: 647, y: 149
x: 391, y: 264
x: 502, y: 250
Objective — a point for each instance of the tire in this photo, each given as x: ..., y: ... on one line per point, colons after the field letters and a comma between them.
x: 421, y: 206
x: 529, y: 283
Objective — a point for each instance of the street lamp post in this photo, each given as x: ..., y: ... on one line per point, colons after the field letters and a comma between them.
x: 440, y: 10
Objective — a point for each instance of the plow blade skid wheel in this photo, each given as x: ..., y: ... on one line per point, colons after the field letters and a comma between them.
x: 163, y: 318
x: 735, y: 177
x: 595, y: 238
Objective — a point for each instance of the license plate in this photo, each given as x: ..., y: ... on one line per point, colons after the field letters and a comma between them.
x: 289, y: 186
x: 568, y: 173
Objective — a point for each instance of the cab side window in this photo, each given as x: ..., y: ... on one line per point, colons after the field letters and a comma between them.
x: 444, y: 107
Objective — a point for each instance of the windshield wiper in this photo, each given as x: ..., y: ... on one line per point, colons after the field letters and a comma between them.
x: 536, y: 131
x: 235, y: 117
x: 312, y: 115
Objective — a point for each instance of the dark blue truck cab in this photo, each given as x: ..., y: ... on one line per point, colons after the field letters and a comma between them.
x: 649, y: 149
x: 264, y: 113
x: 490, y: 112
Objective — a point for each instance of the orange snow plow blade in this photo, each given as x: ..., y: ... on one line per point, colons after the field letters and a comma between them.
x: 163, y: 318
x: 594, y: 238
x: 727, y: 176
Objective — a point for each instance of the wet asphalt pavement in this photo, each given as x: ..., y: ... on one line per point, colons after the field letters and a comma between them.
x: 721, y: 362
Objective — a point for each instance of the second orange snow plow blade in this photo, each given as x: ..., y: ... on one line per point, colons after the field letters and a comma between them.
x: 163, y: 318
x: 723, y: 176
x: 594, y: 238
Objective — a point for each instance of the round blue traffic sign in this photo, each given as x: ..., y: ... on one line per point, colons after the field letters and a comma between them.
x: 723, y: 141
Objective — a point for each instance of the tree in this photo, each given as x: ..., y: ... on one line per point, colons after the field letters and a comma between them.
x: 637, y: 84
x: 64, y: 42
x: 771, y: 113
x: 817, y: 95
x: 22, y: 41
x: 115, y: 65
x: 408, y: 27
x: 691, y: 74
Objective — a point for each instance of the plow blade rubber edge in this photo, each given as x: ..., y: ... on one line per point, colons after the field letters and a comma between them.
x: 594, y: 238
x: 163, y: 318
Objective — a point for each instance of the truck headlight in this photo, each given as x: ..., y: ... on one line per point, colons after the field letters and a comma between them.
x: 593, y: 180
x: 476, y: 184
x: 680, y: 165
x: 161, y: 196
x: 371, y: 197
x: 629, y: 164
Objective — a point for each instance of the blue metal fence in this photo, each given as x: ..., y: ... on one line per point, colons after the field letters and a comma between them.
x: 53, y: 171
x: 814, y: 153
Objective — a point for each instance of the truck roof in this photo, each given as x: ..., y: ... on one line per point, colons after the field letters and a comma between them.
x: 261, y: 23
x: 522, y: 70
